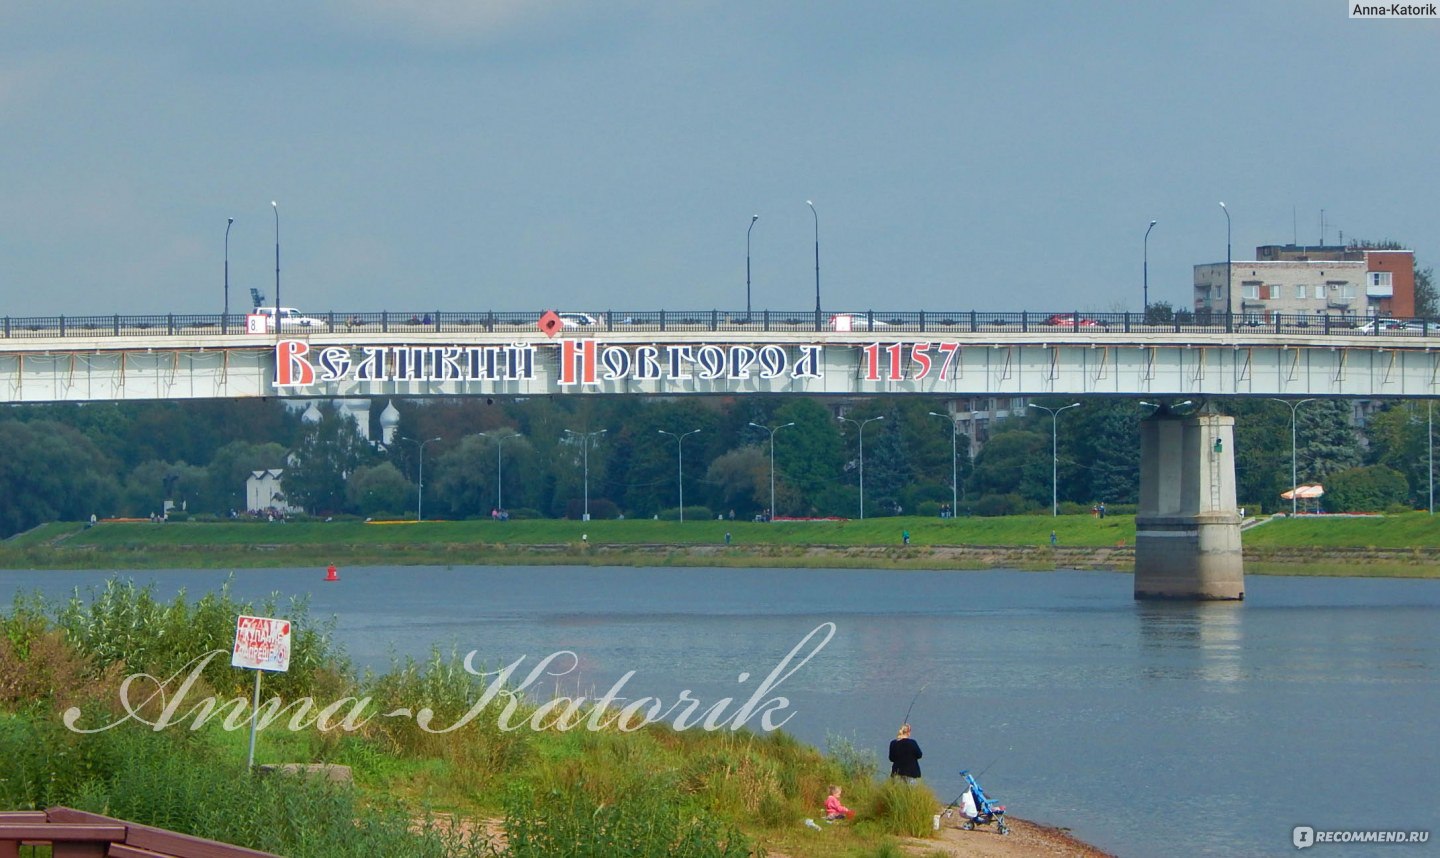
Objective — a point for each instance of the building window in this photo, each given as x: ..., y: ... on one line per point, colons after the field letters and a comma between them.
x: 1380, y: 278
x: 1250, y: 291
x: 1319, y: 292
x: 1347, y: 290
x: 1302, y: 291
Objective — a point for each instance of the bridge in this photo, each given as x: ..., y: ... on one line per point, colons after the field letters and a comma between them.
x: 1188, y: 534
x: 106, y: 358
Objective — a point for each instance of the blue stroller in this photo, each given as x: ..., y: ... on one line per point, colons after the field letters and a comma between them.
x: 977, y: 808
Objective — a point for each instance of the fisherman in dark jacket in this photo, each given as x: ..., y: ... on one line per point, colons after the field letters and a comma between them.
x: 904, y: 755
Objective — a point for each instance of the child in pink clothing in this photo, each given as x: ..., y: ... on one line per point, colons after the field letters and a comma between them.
x: 834, y: 810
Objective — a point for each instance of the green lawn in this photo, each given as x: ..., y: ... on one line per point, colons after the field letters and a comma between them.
x: 1407, y: 540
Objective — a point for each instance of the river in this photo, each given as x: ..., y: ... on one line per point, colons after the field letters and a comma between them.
x: 1149, y: 729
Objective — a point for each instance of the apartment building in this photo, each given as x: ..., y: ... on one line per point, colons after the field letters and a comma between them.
x: 1348, y: 283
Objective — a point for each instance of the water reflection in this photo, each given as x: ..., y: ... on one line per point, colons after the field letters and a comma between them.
x: 1191, y: 640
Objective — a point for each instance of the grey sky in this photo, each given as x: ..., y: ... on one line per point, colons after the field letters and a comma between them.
x: 524, y: 154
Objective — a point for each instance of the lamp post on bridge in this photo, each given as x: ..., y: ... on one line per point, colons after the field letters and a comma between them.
x: 1294, y: 406
x: 276, y: 206
x: 772, y: 462
x: 861, y: 425
x: 753, y: 218
x: 817, y: 263
x: 1145, y: 308
x: 1054, y: 453
x: 585, y: 457
x: 1229, y: 275
x: 680, y: 466
x: 229, y: 222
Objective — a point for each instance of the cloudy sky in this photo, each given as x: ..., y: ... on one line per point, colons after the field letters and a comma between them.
x: 522, y: 154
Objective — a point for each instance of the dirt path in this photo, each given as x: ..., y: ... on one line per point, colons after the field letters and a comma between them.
x: 1025, y: 840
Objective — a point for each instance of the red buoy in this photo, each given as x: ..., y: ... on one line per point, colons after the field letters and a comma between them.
x: 331, y: 574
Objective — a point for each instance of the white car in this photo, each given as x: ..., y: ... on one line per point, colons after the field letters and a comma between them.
x: 578, y: 320
x: 854, y: 322
x: 1392, y: 326
x: 290, y: 318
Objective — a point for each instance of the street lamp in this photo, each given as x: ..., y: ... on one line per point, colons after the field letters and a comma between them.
x: 229, y: 221
x: 420, y: 481
x: 861, y: 424
x: 1160, y: 406
x: 276, y: 206
x: 817, y: 263
x: 954, y: 461
x: 772, y: 461
x: 680, y: 466
x: 1294, y: 406
x: 1054, y: 453
x: 753, y: 218
x: 1229, y: 275
x: 585, y: 455
x: 1146, y: 298
x: 499, y: 465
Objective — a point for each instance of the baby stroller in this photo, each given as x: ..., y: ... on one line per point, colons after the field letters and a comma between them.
x: 977, y: 808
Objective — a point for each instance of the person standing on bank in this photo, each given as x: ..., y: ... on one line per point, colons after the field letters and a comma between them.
x: 904, y: 755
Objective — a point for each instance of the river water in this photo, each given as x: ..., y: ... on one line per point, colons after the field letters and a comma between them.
x: 1149, y: 729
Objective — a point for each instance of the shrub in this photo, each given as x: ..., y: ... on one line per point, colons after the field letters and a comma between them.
x: 600, y: 508
x: 992, y: 505
x: 692, y: 513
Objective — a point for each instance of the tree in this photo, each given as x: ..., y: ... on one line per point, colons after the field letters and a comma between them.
x: 1327, y: 442
x: 151, y: 483
x: 1103, y: 439
x: 231, y: 466
x: 887, y: 467
x: 465, y: 477
x: 1399, y: 439
x: 51, y: 472
x: 378, y: 488
x: 1159, y: 313
x: 741, y: 478
x: 329, y: 451
x: 808, y: 459
x: 1372, y: 489
x: 1016, y: 460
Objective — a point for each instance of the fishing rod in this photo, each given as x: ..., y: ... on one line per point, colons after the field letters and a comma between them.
x: 912, y: 703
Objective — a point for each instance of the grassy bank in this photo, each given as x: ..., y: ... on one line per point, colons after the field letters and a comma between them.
x: 544, y: 788
x: 1401, y: 545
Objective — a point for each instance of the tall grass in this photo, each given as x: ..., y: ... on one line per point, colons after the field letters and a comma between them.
x: 650, y: 821
x: 154, y: 779
x: 903, y: 807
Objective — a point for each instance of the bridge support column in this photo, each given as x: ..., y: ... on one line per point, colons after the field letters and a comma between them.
x: 1187, y: 528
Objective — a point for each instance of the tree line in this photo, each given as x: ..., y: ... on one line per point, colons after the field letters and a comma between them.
x: 69, y: 461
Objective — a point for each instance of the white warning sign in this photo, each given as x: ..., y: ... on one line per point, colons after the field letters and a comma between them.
x: 262, y: 643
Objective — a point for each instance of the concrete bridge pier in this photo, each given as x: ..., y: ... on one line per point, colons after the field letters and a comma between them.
x: 1187, y: 529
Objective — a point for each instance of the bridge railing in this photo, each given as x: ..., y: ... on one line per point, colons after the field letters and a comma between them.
x: 714, y: 320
